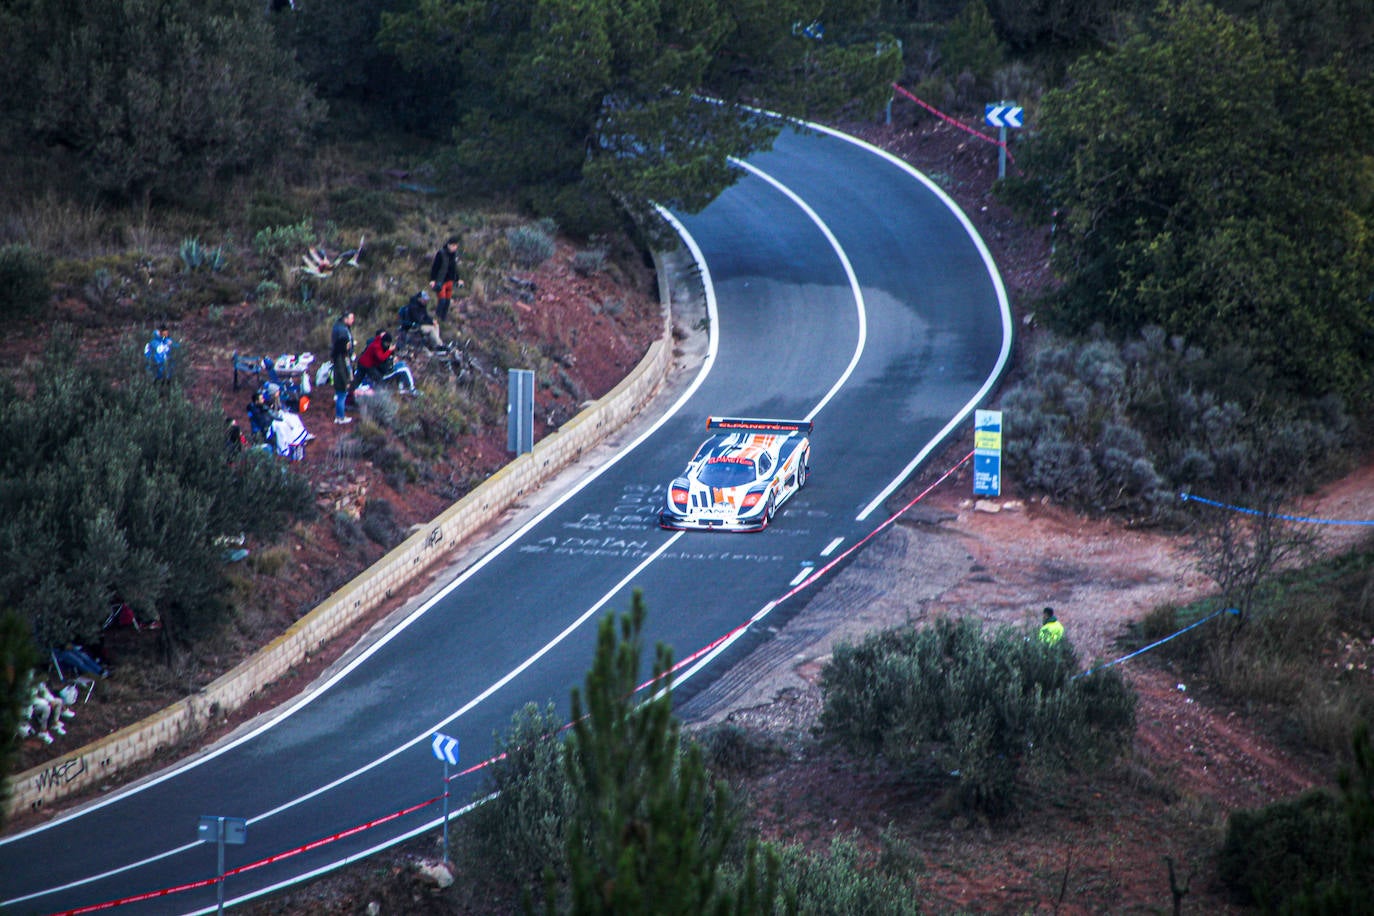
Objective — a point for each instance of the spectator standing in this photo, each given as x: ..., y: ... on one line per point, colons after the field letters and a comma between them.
x: 158, y: 353
x: 341, y: 352
x: 1051, y: 631
x: 443, y: 276
x: 415, y: 316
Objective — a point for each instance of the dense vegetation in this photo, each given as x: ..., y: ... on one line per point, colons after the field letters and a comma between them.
x: 975, y: 708
x: 116, y: 490
x: 627, y: 816
x: 1208, y: 171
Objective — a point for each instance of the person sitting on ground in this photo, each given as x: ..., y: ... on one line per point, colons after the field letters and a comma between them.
x: 260, y: 417
x: 72, y: 658
x: 289, y: 435
x: 1051, y: 631
x: 46, y: 710
x: 378, y: 364
x: 415, y: 316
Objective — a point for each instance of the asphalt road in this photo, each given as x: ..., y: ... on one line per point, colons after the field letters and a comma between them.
x: 842, y: 288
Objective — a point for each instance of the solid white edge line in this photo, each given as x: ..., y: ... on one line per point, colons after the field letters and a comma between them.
x: 314, y: 692
x: 763, y: 612
x: 1003, y: 305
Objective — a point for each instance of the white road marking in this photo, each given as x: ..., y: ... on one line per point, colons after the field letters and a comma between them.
x: 830, y: 548
x: 1003, y: 355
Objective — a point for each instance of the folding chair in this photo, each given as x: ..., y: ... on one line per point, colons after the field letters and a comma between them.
x: 81, y: 681
x: 249, y: 365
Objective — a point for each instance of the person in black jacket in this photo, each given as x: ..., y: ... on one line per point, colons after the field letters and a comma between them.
x: 415, y: 317
x: 443, y: 276
x: 341, y: 352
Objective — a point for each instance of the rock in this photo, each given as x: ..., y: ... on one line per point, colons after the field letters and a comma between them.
x: 986, y: 505
x: 438, y: 874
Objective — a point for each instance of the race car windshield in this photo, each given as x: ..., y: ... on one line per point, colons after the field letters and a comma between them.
x: 729, y: 473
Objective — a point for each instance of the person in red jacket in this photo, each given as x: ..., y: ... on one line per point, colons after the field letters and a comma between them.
x: 378, y: 364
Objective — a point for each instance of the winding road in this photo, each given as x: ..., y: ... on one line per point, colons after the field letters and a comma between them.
x: 841, y: 287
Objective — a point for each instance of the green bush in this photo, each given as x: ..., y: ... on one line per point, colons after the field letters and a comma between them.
x: 842, y: 882
x: 267, y: 210
x: 590, y: 262
x: 524, y: 828
x: 195, y: 256
x: 366, y: 209
x: 1272, y: 854
x: 24, y: 281
x: 17, y: 657
x: 275, y: 241
x: 118, y: 488
x: 530, y: 246
x: 731, y: 751
x: 979, y: 706
x: 1124, y: 427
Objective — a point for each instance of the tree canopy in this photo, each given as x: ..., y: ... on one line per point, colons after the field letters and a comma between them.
x: 649, y: 827
x: 114, y: 489
x: 1207, y: 185
x: 574, y: 105
x: 152, y: 96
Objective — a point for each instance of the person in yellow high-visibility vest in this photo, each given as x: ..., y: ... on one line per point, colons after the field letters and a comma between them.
x: 1051, y: 631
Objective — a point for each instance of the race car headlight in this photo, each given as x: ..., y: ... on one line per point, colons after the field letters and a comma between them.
x: 678, y: 496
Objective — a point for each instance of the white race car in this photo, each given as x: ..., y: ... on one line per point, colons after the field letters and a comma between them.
x: 740, y: 475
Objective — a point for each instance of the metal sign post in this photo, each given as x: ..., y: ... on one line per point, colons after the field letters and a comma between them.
x: 520, y: 411
x: 231, y: 831
x: 1001, y: 116
x: 446, y: 749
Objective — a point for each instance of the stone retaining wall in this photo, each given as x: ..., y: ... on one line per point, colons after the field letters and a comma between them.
x: 102, y: 760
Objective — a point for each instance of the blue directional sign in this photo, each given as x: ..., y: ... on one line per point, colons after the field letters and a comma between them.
x: 445, y: 748
x: 1004, y: 115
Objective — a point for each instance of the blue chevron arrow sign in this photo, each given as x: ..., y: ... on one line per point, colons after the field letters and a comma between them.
x: 445, y: 748
x: 1003, y: 115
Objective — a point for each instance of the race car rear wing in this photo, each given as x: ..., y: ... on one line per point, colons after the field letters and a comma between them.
x: 746, y: 424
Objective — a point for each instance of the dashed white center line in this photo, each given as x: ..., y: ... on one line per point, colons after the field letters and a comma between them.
x: 830, y: 548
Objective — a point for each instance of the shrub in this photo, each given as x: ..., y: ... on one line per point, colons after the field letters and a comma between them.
x: 842, y: 882
x: 524, y: 828
x: 731, y: 751
x: 1273, y: 853
x: 267, y: 210
x: 590, y: 262
x: 17, y: 657
x: 979, y: 706
x: 379, y: 523
x: 24, y: 281
x: 1122, y: 427
x: 120, y: 489
x: 530, y: 246
x: 373, y: 210
x: 275, y: 241
x: 195, y: 256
